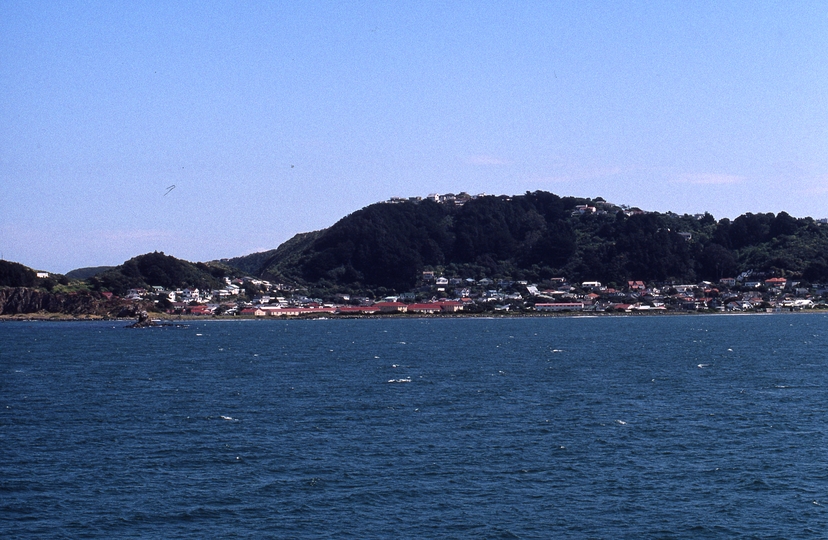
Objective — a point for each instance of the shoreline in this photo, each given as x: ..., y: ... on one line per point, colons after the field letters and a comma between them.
x: 165, y: 318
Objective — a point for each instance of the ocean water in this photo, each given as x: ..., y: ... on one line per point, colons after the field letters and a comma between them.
x: 605, y: 427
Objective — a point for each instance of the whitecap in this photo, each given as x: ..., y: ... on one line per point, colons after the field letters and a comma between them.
x: 227, y: 418
x: 405, y: 380
x: 621, y: 422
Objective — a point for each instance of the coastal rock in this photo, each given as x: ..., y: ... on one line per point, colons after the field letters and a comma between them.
x: 144, y: 321
x: 25, y: 300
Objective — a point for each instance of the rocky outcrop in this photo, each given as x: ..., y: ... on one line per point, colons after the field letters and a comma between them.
x: 144, y: 321
x: 23, y: 300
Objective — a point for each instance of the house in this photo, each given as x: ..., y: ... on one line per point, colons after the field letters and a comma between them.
x: 191, y: 295
x: 591, y: 285
x: 253, y: 311
x: 796, y: 304
x: 136, y: 294
x: 199, y: 310
x: 730, y: 282
x: 451, y: 306
x: 296, y: 311
x: 777, y: 282
x: 636, y: 285
x: 391, y: 307
x: 442, y: 281
x: 357, y: 310
x: 42, y: 275
x: 424, y: 308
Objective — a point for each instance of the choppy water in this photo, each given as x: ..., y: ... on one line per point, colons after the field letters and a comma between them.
x: 609, y: 427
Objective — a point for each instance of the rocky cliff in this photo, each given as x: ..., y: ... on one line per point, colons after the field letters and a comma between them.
x: 23, y: 300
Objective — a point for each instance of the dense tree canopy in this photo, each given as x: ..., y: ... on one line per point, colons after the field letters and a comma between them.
x: 14, y: 274
x: 540, y: 235
x: 157, y: 269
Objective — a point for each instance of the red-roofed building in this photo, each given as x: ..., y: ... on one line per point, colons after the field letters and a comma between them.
x: 357, y: 310
x: 424, y: 308
x: 392, y: 307
x: 450, y: 306
x: 297, y: 311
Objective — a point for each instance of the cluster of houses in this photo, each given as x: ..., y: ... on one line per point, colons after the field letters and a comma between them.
x: 729, y: 294
x: 447, y: 198
x: 599, y: 206
x: 438, y: 294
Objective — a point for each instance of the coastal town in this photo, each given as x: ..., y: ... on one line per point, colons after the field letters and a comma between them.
x: 437, y: 294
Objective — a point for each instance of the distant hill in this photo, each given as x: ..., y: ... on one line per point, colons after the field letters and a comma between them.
x: 540, y: 235
x: 385, y: 247
x: 157, y: 268
x: 86, y: 273
x: 278, y: 262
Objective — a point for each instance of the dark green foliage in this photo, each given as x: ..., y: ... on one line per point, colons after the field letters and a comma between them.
x: 279, y: 263
x: 384, y: 248
x: 156, y: 269
x: 537, y: 236
x: 14, y: 274
x: 750, y: 229
x: 718, y: 262
x: 86, y: 273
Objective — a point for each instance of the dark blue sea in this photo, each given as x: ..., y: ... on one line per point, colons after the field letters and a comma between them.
x: 567, y: 427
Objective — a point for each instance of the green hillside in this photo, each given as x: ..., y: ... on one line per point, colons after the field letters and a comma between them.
x: 159, y: 269
x: 86, y: 273
x: 541, y: 235
x: 14, y: 274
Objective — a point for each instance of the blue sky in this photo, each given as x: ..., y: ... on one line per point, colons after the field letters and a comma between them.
x: 277, y: 118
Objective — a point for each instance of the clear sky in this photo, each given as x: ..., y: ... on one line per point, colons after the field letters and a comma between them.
x: 273, y: 118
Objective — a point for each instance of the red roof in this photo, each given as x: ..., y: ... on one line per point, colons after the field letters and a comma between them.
x: 423, y: 307
x: 357, y: 309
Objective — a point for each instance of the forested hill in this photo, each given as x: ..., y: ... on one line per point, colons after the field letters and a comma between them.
x: 162, y: 270
x: 541, y: 235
